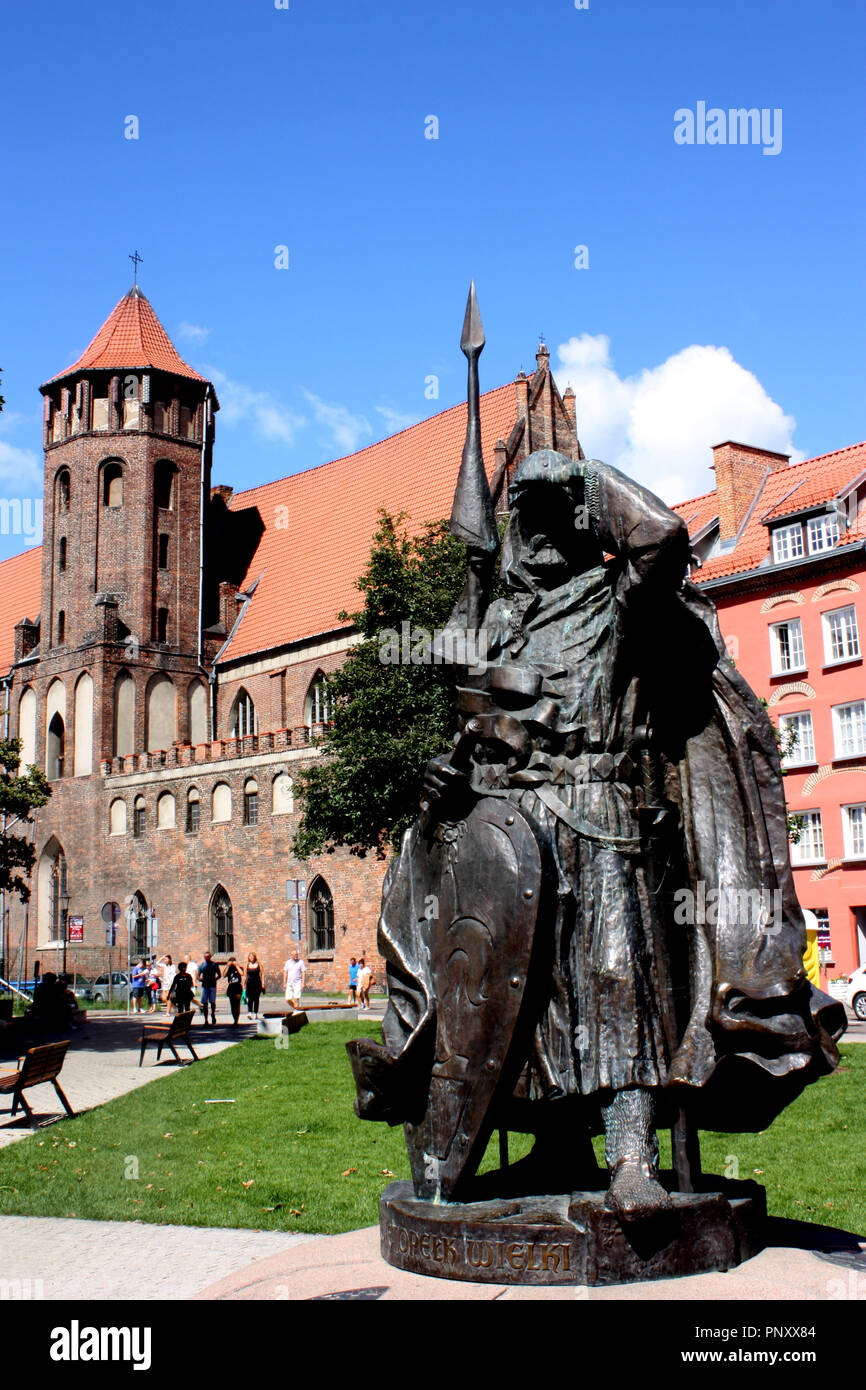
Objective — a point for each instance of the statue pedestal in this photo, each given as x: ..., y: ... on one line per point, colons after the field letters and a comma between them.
x: 570, y: 1239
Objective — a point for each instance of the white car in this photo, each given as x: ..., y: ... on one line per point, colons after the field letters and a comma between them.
x: 855, y: 995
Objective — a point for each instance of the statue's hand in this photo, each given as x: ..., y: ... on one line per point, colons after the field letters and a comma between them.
x: 441, y: 780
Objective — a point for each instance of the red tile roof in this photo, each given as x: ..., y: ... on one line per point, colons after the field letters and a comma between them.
x: 783, y: 491
x: 308, y: 567
x: 21, y: 588
x: 132, y: 336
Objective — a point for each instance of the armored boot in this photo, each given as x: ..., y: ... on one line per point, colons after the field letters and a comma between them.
x: 632, y: 1154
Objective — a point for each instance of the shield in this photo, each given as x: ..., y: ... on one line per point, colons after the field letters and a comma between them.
x: 485, y: 876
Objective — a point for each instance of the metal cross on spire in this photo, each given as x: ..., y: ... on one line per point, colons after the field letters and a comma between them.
x: 136, y: 261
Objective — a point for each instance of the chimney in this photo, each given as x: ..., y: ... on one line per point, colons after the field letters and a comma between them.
x: 223, y: 492
x: 740, y: 470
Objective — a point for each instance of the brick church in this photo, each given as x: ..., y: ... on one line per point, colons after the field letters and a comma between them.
x: 162, y: 656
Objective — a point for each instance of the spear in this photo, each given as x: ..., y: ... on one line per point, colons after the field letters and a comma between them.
x: 472, y: 518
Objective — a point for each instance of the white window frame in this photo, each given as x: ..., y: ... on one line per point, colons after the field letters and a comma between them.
x: 782, y: 535
x: 822, y: 532
x: 852, y: 850
x: 806, y: 841
x: 851, y: 649
x: 858, y: 727
x: 802, y: 753
x: 776, y: 651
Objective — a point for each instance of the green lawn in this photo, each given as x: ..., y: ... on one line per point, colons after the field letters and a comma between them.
x: 290, y: 1155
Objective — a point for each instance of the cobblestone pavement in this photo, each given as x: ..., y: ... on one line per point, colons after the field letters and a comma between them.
x: 62, y: 1258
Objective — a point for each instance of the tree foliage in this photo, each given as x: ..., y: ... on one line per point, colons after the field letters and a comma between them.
x: 21, y: 793
x: 387, y: 719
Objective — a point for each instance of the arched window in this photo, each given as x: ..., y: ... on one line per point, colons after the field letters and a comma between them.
x: 164, y: 486
x: 117, y: 818
x: 197, y: 700
x: 160, y: 714
x: 251, y: 802
x: 139, y: 812
x: 193, y: 811
x: 55, y: 748
x: 243, y: 719
x: 58, y: 904
x: 221, y: 804
x: 61, y: 491
x: 83, y: 751
x: 124, y: 715
x: 61, y: 554
x: 320, y: 916
x: 112, y: 485
x: 282, y: 795
x: 165, y: 812
x: 222, y: 938
x: 27, y: 727
x: 318, y: 703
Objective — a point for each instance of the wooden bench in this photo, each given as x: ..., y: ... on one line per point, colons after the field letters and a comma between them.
x: 41, y: 1064
x: 167, y: 1034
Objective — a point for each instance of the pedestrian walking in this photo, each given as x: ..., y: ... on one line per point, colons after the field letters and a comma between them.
x: 353, y: 981
x: 365, y: 980
x: 181, y: 989
x: 234, y: 987
x: 254, y: 985
x: 208, y: 974
x: 169, y: 970
x: 294, y: 972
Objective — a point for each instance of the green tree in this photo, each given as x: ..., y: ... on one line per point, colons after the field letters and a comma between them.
x: 387, y: 718
x: 21, y: 793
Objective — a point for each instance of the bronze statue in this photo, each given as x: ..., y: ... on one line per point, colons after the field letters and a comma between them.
x: 552, y: 965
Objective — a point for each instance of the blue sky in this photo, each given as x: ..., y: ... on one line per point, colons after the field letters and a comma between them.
x: 724, y: 294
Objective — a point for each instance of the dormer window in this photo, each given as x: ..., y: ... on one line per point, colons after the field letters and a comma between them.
x: 787, y: 543
x: 823, y: 533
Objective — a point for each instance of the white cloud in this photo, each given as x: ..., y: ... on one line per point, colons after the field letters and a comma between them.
x: 347, y: 431
x: 20, y: 466
x: 659, y: 425
x: 192, y: 332
x: 240, y: 403
x: 395, y: 420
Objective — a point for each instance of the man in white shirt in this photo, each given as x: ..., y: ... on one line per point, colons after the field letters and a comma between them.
x: 294, y: 971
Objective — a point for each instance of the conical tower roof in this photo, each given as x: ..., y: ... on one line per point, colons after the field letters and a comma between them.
x: 131, y: 337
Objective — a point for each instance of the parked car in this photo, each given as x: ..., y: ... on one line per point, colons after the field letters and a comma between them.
x: 83, y: 988
x: 855, y: 996
x: 119, y: 986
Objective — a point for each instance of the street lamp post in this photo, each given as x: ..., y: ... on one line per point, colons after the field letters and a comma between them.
x: 64, y: 912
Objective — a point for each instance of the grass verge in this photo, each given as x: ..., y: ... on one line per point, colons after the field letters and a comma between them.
x: 289, y: 1153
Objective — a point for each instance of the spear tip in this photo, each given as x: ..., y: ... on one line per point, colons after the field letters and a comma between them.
x: 472, y: 338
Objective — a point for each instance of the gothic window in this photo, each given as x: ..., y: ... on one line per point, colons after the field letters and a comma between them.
x: 197, y: 700
x: 251, y: 802
x: 27, y: 727
x: 320, y: 915
x: 318, y: 702
x: 58, y: 901
x: 112, y: 485
x: 55, y: 748
x: 83, y: 748
x: 62, y: 491
x: 124, y: 715
x: 243, y: 719
x: 163, y: 486
x: 140, y: 925
x: 160, y: 714
x: 193, y: 811
x: 222, y: 936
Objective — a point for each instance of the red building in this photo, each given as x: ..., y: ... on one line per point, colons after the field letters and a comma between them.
x: 781, y: 551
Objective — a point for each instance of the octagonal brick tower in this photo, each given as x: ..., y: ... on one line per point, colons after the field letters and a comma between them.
x: 128, y: 437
